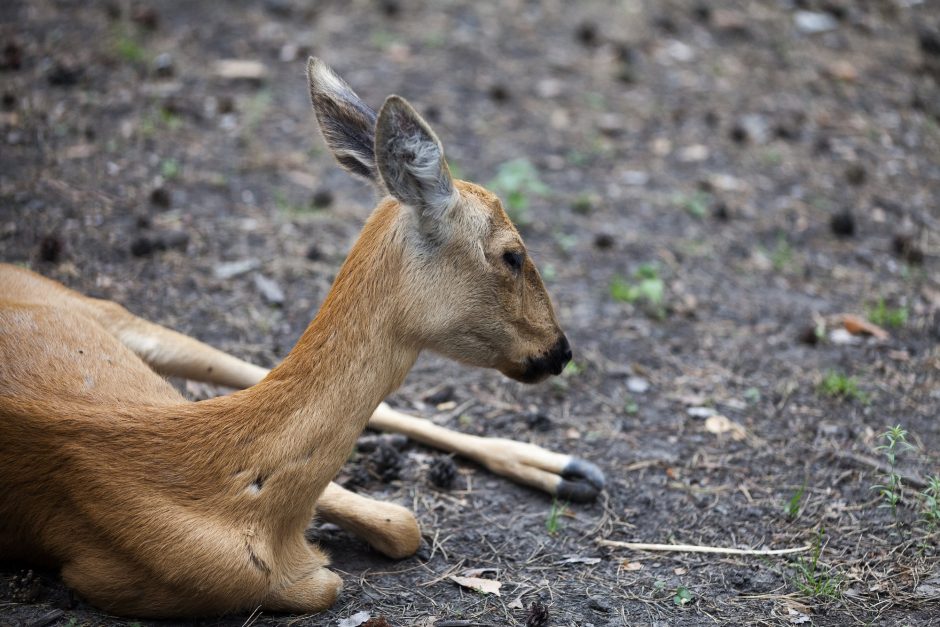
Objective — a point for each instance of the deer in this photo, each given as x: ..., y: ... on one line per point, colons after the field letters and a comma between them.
x: 154, y: 506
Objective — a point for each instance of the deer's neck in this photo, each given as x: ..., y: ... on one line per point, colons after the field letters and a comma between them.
x: 297, y: 427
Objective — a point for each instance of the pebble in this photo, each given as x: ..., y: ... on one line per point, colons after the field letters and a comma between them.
x: 638, y: 385
x: 271, y: 292
x: 599, y: 604
x: 163, y: 65
x: 701, y: 412
x: 232, y: 269
x: 811, y: 22
x: 843, y: 224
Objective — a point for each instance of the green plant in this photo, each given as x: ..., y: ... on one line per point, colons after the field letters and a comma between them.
x: 793, y: 505
x: 572, y: 369
x: 553, y: 522
x: 683, y: 596
x: 885, y: 316
x: 631, y: 407
x: 128, y: 48
x: 782, y: 255
x: 812, y: 579
x: 170, y: 168
x: 838, y: 385
x: 517, y: 181
x: 646, y: 286
x: 891, y: 491
x: 930, y: 503
x: 695, y: 205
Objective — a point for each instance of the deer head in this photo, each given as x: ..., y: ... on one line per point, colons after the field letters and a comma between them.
x: 470, y: 291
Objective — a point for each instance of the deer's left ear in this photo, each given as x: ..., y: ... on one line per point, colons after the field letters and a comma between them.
x: 410, y: 160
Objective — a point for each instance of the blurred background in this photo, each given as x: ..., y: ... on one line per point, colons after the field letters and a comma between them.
x: 718, y: 195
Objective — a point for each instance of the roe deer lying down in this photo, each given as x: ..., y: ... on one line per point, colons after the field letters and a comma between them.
x: 155, y: 506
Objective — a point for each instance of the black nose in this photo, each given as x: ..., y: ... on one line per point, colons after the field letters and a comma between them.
x: 560, y: 355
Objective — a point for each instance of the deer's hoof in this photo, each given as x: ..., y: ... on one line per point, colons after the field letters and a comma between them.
x: 581, y: 481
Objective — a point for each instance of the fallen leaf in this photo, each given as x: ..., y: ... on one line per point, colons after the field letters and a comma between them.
x: 719, y: 424
x: 577, y: 559
x: 484, y: 586
x: 860, y: 326
x: 632, y: 565
x: 680, y: 571
x: 516, y: 604
x: 355, y: 620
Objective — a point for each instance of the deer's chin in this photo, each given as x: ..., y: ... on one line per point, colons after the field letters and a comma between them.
x: 526, y: 372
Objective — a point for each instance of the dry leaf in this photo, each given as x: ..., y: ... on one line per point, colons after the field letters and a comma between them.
x: 680, y: 571
x: 516, y: 604
x: 719, y: 424
x: 577, y: 559
x: 632, y: 565
x: 355, y: 620
x: 860, y: 326
x: 485, y: 586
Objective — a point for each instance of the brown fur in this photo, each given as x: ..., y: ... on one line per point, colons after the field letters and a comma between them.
x: 155, y: 506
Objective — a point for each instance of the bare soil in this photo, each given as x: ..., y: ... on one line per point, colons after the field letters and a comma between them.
x: 767, y: 178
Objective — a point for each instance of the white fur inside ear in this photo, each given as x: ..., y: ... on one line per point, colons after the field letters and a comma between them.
x: 429, y: 171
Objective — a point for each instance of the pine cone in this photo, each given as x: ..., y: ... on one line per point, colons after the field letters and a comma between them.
x: 537, y: 616
x: 442, y: 472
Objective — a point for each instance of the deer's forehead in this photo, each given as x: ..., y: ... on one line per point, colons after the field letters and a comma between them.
x: 487, y: 213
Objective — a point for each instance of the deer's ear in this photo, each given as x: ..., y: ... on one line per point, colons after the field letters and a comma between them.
x: 347, y: 123
x: 411, y: 162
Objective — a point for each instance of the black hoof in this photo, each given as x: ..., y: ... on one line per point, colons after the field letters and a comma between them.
x: 581, y: 481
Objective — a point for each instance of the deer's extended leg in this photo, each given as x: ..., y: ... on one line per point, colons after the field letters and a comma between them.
x: 564, y: 476
x: 390, y: 529
x: 172, y: 353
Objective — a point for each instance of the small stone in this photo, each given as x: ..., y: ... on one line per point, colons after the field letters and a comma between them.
x: 842, y: 336
x: 587, y: 34
x: 906, y: 247
x: 163, y: 65
x: 62, y: 75
x: 599, y: 604
x: 142, y: 247
x: 50, y: 248
x: 499, y: 93
x: 701, y: 412
x: 843, y: 224
x: 313, y: 253
x: 176, y: 239
x: 12, y: 58
x: 855, y: 174
x: 812, y: 22
x: 232, y: 269
x: 442, y: 472
x: 322, y: 198
x: 638, y: 385
x: 147, y: 18
x: 440, y: 395
x: 604, y: 241
x: 271, y: 292
x: 160, y: 197
x: 538, y: 421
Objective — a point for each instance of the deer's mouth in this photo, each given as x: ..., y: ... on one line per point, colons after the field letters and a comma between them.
x: 540, y: 367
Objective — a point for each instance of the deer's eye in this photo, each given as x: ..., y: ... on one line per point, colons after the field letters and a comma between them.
x: 513, y: 259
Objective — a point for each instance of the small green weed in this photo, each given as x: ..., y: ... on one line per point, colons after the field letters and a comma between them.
x: 646, y: 286
x: 838, y: 385
x: 683, y: 597
x: 517, y: 181
x: 794, y: 504
x: 695, y: 205
x: 930, y: 503
x: 885, y: 316
x: 891, y: 491
x: 572, y: 369
x: 170, y: 168
x: 128, y: 48
x: 631, y: 407
x: 814, y: 581
x: 553, y: 522
x: 782, y: 255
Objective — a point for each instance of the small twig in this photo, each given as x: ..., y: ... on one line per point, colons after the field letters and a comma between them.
x: 693, y: 548
x: 864, y: 461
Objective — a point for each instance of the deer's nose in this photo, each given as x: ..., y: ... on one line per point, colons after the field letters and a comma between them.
x: 559, y: 355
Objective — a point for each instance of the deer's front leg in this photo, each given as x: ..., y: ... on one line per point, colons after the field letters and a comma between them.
x: 563, y: 476
x: 390, y: 529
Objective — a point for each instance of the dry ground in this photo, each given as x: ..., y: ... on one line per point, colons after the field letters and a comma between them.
x: 719, y: 187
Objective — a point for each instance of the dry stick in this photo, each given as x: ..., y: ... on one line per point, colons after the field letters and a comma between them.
x: 864, y: 461
x: 693, y: 548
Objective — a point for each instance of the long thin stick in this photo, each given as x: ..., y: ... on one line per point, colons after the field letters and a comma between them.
x: 692, y: 548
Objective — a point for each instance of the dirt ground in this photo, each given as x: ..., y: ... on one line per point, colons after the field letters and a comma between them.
x: 720, y: 183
